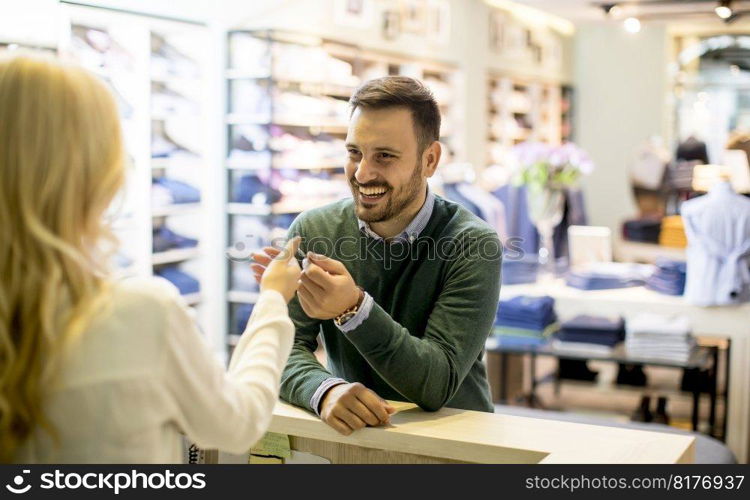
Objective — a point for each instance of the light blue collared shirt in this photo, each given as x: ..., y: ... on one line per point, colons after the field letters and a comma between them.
x: 408, y: 235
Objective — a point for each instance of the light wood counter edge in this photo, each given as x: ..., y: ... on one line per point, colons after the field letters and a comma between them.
x: 471, y: 436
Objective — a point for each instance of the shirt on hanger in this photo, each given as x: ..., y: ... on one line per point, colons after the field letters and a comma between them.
x: 718, y: 253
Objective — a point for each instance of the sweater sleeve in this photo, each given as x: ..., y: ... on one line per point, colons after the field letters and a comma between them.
x: 429, y: 370
x: 303, y: 374
x: 227, y: 409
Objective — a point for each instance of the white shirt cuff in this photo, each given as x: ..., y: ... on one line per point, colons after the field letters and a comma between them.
x: 321, y: 391
x: 362, y: 314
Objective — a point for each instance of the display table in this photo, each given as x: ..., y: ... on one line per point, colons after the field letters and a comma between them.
x: 732, y: 322
x: 462, y: 436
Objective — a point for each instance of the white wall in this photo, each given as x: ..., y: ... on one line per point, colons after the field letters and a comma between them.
x: 620, y: 99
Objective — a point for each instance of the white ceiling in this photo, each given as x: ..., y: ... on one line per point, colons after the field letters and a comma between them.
x: 586, y: 10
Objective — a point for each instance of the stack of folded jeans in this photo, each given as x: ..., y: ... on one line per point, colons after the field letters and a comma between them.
x: 656, y: 336
x: 608, y: 275
x: 525, y: 320
x: 165, y: 191
x: 520, y: 271
x: 184, y: 282
x: 589, y: 334
x: 669, y: 277
x: 165, y: 239
x: 643, y: 230
x: 241, y: 317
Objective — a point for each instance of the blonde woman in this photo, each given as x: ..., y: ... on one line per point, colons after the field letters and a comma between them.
x: 94, y: 370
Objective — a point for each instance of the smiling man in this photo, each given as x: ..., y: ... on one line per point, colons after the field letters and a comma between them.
x: 402, y: 284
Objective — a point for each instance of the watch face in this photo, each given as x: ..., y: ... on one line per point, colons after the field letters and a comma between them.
x: 345, y: 317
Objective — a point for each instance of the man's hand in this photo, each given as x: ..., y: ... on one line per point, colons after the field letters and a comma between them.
x: 348, y: 407
x: 327, y: 289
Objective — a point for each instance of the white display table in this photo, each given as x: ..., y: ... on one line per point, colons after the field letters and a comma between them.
x: 731, y: 322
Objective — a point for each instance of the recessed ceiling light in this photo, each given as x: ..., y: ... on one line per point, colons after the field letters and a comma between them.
x: 724, y: 10
x: 632, y: 25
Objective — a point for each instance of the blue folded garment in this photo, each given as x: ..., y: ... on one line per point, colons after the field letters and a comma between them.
x: 184, y: 282
x: 251, y: 189
x: 181, y: 192
x: 165, y: 239
x: 241, y: 317
x: 669, y: 278
x: 516, y: 272
x: 594, y: 281
x: 521, y: 341
x: 533, y: 313
x: 593, y: 330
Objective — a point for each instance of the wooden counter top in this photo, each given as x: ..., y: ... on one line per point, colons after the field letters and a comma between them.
x: 471, y: 436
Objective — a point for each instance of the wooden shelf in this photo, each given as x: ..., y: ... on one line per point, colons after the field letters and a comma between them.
x: 176, y: 209
x: 248, y: 209
x: 176, y: 255
x: 242, y: 297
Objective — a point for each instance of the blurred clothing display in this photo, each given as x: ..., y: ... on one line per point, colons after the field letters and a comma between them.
x: 657, y: 336
x: 164, y: 239
x: 184, y: 282
x: 251, y: 189
x: 166, y: 191
x: 644, y: 230
x: 669, y: 278
x: 648, y: 169
x: 672, y: 232
x: 525, y: 320
x: 520, y: 227
x: 242, y: 315
x: 585, y: 329
x: 480, y: 203
x: 165, y: 100
x: 609, y: 275
x: 680, y: 175
x: 692, y: 149
x: 718, y: 253
x: 167, y: 60
x: 520, y: 271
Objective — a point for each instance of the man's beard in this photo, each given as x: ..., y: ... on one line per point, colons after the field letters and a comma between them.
x: 397, y: 200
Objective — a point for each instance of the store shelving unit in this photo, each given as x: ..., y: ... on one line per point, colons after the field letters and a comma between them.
x: 288, y: 93
x: 523, y: 110
x: 158, y: 70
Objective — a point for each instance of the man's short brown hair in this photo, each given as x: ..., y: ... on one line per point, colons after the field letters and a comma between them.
x: 402, y: 91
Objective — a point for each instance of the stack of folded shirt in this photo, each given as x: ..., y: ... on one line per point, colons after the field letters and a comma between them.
x: 643, y: 230
x: 184, y: 282
x: 526, y: 320
x: 669, y: 277
x: 165, y: 239
x: 608, y: 275
x: 656, y: 336
x: 589, y: 334
x: 519, y: 271
x: 672, y: 232
x: 166, y: 191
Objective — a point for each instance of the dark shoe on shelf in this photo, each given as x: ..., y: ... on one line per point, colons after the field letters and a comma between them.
x: 631, y: 375
x: 661, y: 417
x: 643, y: 413
x: 573, y: 369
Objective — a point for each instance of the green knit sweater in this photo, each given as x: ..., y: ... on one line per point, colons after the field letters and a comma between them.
x: 435, y: 302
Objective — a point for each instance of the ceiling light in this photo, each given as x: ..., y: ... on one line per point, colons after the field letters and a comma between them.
x: 723, y: 10
x: 632, y: 25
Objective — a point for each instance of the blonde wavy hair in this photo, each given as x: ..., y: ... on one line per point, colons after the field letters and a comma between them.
x: 61, y: 165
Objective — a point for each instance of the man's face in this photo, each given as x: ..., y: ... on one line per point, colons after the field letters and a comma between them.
x: 384, y: 168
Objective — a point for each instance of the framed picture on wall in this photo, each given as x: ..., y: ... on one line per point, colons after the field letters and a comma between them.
x: 497, y: 26
x: 439, y: 21
x: 353, y: 13
x: 414, y: 17
x: 391, y: 24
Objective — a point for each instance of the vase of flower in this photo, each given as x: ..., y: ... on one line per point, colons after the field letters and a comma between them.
x: 547, y: 172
